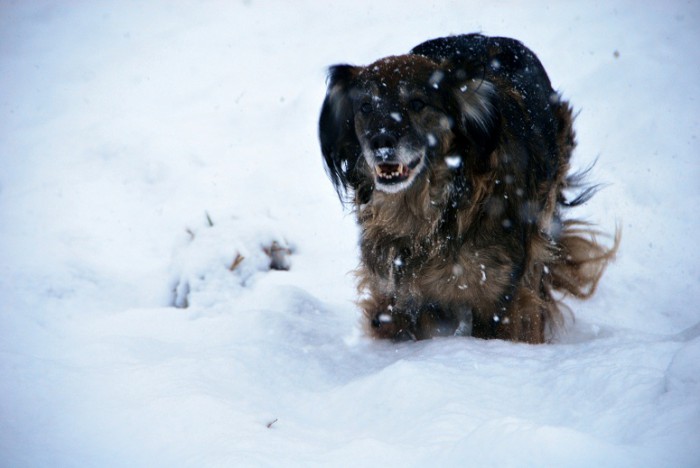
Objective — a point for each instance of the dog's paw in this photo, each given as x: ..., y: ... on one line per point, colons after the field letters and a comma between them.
x: 404, y: 335
x: 391, y: 326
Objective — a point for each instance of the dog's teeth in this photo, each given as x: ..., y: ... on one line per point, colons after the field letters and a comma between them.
x: 400, y: 170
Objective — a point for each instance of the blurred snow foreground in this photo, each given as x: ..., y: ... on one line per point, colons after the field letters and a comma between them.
x: 176, y: 286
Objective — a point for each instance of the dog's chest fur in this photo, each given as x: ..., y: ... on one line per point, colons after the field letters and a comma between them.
x: 418, y: 244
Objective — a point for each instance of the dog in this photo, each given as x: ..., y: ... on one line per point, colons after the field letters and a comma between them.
x: 455, y: 158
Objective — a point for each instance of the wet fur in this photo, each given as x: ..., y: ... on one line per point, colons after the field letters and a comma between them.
x: 476, y: 244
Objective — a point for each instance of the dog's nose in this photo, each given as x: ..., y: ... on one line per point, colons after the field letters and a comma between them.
x: 383, y: 140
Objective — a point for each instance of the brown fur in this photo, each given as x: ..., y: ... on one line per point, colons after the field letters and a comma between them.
x: 476, y: 248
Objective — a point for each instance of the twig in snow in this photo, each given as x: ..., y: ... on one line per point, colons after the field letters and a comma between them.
x: 236, y: 261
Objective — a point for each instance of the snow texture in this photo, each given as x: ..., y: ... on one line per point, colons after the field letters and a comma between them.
x: 157, y: 155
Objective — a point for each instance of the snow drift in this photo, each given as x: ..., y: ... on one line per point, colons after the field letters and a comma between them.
x: 153, y: 153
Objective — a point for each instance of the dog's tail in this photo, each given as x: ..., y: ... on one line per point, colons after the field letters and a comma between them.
x: 577, y: 256
x: 580, y: 259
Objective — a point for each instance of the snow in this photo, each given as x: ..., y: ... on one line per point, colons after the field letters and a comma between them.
x: 453, y: 162
x: 145, y: 146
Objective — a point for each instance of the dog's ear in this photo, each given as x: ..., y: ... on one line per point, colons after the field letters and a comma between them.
x: 336, y: 129
x: 472, y: 101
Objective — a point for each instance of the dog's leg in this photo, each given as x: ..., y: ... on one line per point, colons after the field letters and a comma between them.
x: 465, y: 321
x: 386, y: 321
x: 523, y: 319
x: 434, y: 320
x: 414, y: 322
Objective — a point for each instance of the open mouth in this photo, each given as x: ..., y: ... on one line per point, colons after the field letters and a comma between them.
x: 394, y: 173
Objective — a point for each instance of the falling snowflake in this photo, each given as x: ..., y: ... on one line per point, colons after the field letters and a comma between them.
x: 453, y: 162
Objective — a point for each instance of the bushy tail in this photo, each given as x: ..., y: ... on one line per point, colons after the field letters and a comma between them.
x: 580, y: 259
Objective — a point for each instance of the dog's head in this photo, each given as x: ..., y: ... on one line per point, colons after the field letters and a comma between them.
x: 382, y: 126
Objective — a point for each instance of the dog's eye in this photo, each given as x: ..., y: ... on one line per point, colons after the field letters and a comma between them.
x: 366, y: 107
x: 417, y: 104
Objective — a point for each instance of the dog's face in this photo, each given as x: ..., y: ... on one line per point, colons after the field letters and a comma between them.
x: 387, y: 122
x: 399, y: 119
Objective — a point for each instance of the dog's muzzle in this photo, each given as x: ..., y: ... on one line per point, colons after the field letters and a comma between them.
x: 394, y: 167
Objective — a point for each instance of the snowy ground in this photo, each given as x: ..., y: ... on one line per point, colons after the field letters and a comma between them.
x: 126, y: 127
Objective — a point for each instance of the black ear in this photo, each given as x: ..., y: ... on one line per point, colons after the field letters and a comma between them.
x: 336, y: 130
x: 473, y: 102
x: 471, y: 98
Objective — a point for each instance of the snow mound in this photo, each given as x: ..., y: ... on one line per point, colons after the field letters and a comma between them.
x: 223, y: 257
